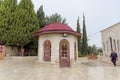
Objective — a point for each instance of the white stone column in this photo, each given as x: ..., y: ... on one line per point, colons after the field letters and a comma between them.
x: 40, y: 50
x: 55, y: 50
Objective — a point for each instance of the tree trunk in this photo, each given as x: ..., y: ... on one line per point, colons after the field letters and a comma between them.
x: 22, y: 51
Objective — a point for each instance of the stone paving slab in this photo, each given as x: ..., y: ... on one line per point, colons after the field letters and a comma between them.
x: 30, y: 69
x: 107, y: 60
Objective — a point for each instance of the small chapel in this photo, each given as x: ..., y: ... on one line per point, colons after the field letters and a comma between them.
x: 57, y: 44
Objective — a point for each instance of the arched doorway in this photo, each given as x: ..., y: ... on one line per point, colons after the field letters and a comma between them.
x: 64, y: 53
x: 47, y: 50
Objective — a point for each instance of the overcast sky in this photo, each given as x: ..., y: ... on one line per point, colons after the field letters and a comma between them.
x: 99, y: 14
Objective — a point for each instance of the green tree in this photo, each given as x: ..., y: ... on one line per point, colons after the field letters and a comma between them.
x: 26, y: 23
x: 8, y: 21
x: 55, y: 18
x: 100, y: 51
x: 17, y: 22
x: 94, y: 50
x: 1, y: 2
x: 41, y: 20
x: 79, y: 38
x: 41, y: 17
x: 90, y: 50
x: 1, y: 19
x: 84, y: 39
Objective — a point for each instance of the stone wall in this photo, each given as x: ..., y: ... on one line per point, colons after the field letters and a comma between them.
x: 10, y: 51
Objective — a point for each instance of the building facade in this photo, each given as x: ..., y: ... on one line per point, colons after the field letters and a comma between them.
x: 111, y: 39
x: 57, y: 44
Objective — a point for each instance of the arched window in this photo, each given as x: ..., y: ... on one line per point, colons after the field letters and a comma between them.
x: 47, y: 50
x: 1, y: 49
x: 107, y: 45
x: 118, y: 47
x: 111, y: 43
x: 114, y: 44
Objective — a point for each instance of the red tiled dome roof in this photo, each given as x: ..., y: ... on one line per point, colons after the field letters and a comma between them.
x: 56, y: 28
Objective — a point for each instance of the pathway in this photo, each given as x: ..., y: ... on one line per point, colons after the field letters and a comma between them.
x: 20, y: 69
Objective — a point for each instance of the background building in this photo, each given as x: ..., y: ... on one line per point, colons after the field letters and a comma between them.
x: 111, y: 39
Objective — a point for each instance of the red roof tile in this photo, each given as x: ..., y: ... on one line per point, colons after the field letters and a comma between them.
x: 56, y: 28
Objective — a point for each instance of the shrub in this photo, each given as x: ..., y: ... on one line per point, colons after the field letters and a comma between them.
x: 79, y: 54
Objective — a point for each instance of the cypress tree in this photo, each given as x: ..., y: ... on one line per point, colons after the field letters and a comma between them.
x: 41, y: 17
x: 84, y: 39
x: 79, y: 38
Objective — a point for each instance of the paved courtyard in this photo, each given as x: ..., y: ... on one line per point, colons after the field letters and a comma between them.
x: 30, y: 69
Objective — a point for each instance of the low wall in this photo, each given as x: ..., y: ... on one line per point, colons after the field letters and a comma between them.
x: 24, y: 57
x: 10, y: 51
